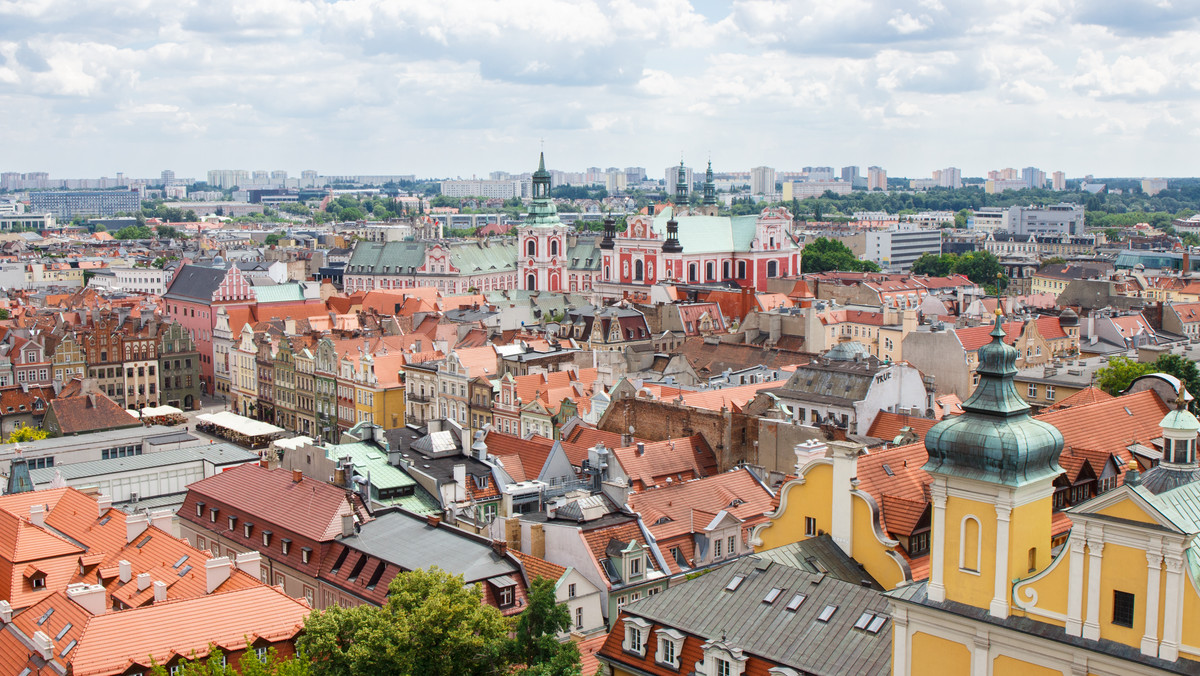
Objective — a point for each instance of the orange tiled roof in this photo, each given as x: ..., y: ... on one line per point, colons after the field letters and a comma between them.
x: 114, y: 642
x: 681, y: 459
x: 887, y: 425
x: 1088, y: 395
x: 536, y: 567
x: 530, y: 453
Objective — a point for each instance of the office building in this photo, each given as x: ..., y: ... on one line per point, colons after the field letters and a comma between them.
x: 491, y: 189
x: 876, y: 178
x: 39, y: 223
x: 762, y: 181
x: 850, y: 174
x: 67, y: 205
x: 804, y: 189
x: 1059, y: 219
x: 896, y: 248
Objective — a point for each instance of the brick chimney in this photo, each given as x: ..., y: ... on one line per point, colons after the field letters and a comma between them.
x: 5, y: 612
x: 434, y: 520
x: 126, y: 570
x: 143, y: 581
x: 160, y: 591
x: 297, y: 476
x: 164, y: 520
x: 41, y: 643
x: 500, y: 547
x: 249, y: 563
x: 37, y: 515
x: 103, y: 504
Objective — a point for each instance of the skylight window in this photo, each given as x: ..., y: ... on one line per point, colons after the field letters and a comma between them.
x: 888, y: 470
x: 794, y: 604
x: 864, y: 620
x: 735, y: 583
x: 772, y: 595
x: 827, y: 613
x: 45, y: 616
x: 877, y: 624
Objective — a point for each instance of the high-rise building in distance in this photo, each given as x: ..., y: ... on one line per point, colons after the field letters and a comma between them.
x: 876, y: 178
x: 762, y: 181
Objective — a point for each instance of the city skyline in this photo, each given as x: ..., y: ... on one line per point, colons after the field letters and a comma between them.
x: 369, y: 86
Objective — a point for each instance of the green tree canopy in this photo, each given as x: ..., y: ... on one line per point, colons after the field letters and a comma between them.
x: 536, y: 644
x: 134, y: 232
x: 26, y: 433
x: 273, y: 239
x: 934, y: 265
x: 248, y: 664
x: 824, y: 255
x: 981, y: 267
x: 1120, y: 372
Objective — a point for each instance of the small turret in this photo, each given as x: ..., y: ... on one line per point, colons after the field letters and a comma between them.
x: 710, y: 187
x: 610, y: 232
x: 672, y: 245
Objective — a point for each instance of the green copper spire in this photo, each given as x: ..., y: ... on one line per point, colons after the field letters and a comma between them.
x: 542, y: 212
x: 995, y: 439
x: 681, y: 187
x: 710, y: 187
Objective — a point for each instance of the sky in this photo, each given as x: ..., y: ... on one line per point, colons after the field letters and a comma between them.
x: 458, y: 88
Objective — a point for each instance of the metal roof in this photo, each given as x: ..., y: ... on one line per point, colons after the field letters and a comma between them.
x: 706, y: 608
x: 217, y: 454
x: 409, y: 542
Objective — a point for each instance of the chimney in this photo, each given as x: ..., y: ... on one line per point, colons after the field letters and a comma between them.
x: 249, y: 563
x: 103, y: 504
x: 41, y: 643
x: 434, y: 520
x: 512, y: 531
x: 347, y: 525
x: 164, y: 520
x: 339, y: 476
x: 143, y: 581
x: 126, y: 570
x: 37, y: 515
x: 297, y: 476
x: 845, y: 477
x: 537, y: 540
x: 500, y: 547
x: 217, y: 571
x: 160, y: 591
x: 641, y: 448
x: 135, y: 525
x: 5, y: 612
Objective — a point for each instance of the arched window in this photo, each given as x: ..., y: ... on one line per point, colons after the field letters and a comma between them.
x: 710, y: 271
x: 725, y: 270
x: 607, y: 273
x: 554, y: 247
x: 772, y: 268
x: 531, y: 248
x: 741, y: 270
x: 638, y: 270
x: 692, y: 271
x: 531, y: 282
x: 970, y: 544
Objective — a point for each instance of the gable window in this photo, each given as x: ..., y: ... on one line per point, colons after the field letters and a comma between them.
x: 635, y: 636
x: 670, y: 645
x: 723, y: 667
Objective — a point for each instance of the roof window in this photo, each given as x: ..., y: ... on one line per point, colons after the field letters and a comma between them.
x: 735, y: 583
x: 794, y: 604
x: 772, y: 595
x: 827, y: 612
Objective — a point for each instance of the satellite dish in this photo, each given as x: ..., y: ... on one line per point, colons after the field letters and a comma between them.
x: 631, y: 429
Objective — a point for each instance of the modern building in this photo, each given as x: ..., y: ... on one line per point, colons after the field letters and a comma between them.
x: 1033, y: 177
x: 480, y: 188
x: 950, y: 177
x: 1062, y: 218
x: 762, y: 181
x: 27, y: 221
x: 876, y: 178
x: 804, y: 189
x: 1058, y: 181
x: 896, y: 248
x: 1153, y: 186
x: 131, y: 280
x: 69, y: 204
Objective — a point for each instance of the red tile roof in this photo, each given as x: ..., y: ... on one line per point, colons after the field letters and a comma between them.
x: 532, y: 452
x: 1088, y: 395
x: 536, y: 567
x: 887, y: 425
x: 681, y: 459
x: 975, y: 337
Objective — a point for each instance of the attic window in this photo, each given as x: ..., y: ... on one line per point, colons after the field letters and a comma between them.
x: 185, y: 570
x: 795, y: 602
x: 876, y: 624
x: 45, y: 616
x: 827, y: 613
x: 735, y: 583
x: 143, y: 542
x: 69, y: 648
x: 772, y: 595
x: 737, y: 502
x: 888, y: 470
x: 63, y: 632
x: 864, y: 620
x: 180, y: 561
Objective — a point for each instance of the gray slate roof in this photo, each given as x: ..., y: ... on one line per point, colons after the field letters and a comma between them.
x: 821, y: 555
x: 704, y: 608
x: 195, y: 282
x: 409, y: 542
x: 218, y: 454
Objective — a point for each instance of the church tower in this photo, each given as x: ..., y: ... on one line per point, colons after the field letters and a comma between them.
x: 681, y: 190
x: 710, y: 192
x: 542, y: 238
x: 993, y: 469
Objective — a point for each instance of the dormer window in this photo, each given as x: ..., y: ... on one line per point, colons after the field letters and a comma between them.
x: 212, y: 514
x: 636, y: 632
x: 199, y: 509
x: 285, y: 544
x: 266, y: 538
x: 233, y: 522
x: 670, y: 645
x: 305, y: 554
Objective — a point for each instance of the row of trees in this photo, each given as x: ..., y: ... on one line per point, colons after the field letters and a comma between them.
x: 431, y: 625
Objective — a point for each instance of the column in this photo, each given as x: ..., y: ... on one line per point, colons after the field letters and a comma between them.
x: 1154, y: 561
x: 1173, y: 620
x: 980, y: 654
x: 900, y: 642
x: 1075, y: 586
x: 936, y: 590
x: 1091, y: 625
x: 999, y: 606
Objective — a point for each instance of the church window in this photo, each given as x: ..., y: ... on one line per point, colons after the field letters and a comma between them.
x: 531, y: 248
x: 970, y: 545
x: 637, y: 270
x: 692, y: 272
x: 1123, y: 605
x: 772, y: 268
x: 725, y: 270
x: 741, y: 270
x: 554, y: 247
x: 1032, y: 559
x: 709, y: 272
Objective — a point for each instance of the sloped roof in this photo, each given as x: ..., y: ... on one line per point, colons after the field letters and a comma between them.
x: 681, y: 459
x: 1088, y: 395
x: 90, y: 413
x: 532, y: 452
x: 195, y: 283
x: 887, y: 425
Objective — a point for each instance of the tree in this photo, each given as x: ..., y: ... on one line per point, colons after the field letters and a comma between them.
x: 26, y: 433
x: 248, y: 665
x: 981, y: 267
x: 1053, y: 260
x: 1182, y: 368
x: 1120, y: 372
x: 536, y: 644
x: 934, y: 265
x: 273, y: 239
x: 825, y: 254
x: 432, y: 625
x: 134, y: 232
x: 4, y: 313
x: 960, y: 218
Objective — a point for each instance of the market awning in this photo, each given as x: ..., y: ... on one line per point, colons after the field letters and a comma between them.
x: 239, y: 424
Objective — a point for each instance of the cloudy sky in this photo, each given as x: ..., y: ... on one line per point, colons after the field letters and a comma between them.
x: 462, y: 87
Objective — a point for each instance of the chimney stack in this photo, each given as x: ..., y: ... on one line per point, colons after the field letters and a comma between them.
x: 135, y: 525
x: 216, y: 571
x: 641, y: 448
x: 90, y: 597
x: 5, y: 612
x: 41, y: 643
x: 164, y: 520
x: 160, y: 591
x: 37, y: 515
x: 434, y: 520
x: 126, y: 570
x: 250, y: 563
x: 347, y: 525
x: 143, y: 581
x: 297, y: 476
x: 103, y: 504
x: 500, y: 547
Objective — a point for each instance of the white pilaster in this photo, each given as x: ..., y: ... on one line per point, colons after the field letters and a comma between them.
x: 1173, y: 619
x: 999, y: 606
x: 900, y: 642
x: 1153, y: 577
x: 1091, y: 625
x: 1075, y: 587
x: 936, y: 591
x: 980, y: 654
